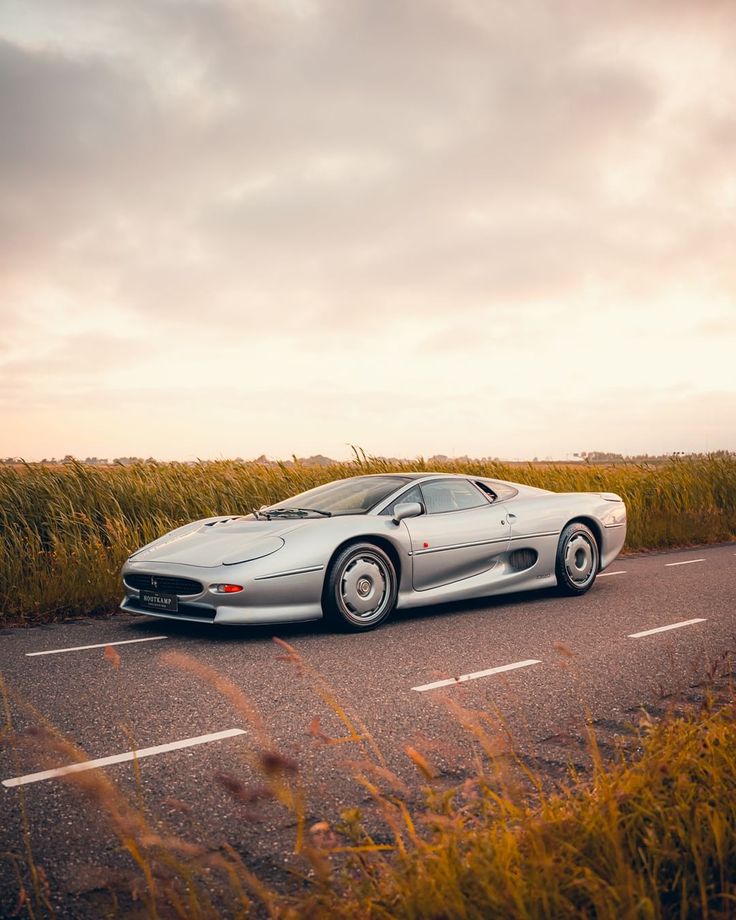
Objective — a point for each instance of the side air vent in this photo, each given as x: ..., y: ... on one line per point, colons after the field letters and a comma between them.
x: 521, y: 559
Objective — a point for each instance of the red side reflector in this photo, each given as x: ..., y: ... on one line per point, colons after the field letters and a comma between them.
x: 231, y: 589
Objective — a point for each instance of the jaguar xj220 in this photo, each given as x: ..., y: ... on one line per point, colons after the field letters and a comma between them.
x: 354, y: 550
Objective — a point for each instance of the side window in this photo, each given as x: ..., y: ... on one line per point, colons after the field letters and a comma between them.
x: 451, y: 495
x: 413, y: 495
x: 502, y: 489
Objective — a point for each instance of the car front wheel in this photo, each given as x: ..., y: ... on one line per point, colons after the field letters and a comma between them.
x: 361, y: 588
x: 578, y: 559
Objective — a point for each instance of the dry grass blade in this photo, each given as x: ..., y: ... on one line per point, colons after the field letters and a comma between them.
x: 357, y: 729
x: 226, y: 688
x: 421, y: 762
x: 280, y: 771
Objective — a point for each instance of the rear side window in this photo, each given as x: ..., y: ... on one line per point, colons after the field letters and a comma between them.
x: 487, y: 490
x: 442, y: 495
x: 502, y: 489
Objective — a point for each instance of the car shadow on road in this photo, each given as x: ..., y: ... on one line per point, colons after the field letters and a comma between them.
x: 186, y: 629
x: 477, y: 604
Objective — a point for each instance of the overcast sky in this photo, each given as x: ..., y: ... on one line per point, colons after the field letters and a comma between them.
x: 460, y: 227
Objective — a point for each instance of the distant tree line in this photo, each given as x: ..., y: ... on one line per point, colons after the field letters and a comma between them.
x: 438, y: 460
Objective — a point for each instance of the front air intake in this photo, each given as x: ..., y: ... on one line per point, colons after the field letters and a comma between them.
x: 167, y: 584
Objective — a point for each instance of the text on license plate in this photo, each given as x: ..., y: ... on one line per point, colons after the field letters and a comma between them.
x: 155, y: 601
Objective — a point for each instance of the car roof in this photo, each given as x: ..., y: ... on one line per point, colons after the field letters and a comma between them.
x: 429, y: 474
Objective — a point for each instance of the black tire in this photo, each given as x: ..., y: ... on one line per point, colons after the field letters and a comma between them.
x: 361, y: 588
x: 578, y: 559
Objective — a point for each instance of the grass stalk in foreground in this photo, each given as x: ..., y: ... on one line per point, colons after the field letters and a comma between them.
x: 653, y: 836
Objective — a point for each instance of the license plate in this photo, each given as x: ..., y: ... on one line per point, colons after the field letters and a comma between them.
x: 155, y: 601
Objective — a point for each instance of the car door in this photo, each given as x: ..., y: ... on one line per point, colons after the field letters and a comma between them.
x: 460, y: 534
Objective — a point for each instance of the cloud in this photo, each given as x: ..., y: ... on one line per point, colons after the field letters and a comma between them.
x: 298, y: 190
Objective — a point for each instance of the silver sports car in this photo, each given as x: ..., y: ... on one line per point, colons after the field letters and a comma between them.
x: 356, y: 549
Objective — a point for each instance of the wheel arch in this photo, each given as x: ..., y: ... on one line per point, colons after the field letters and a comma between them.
x: 381, y: 542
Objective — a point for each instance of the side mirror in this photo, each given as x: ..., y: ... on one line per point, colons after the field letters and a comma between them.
x: 407, y: 510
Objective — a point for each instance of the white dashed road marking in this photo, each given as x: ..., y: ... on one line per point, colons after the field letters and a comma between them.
x: 659, y: 629
x: 476, y: 674
x: 121, y: 758
x: 82, y: 648
x: 686, y: 562
x: 606, y: 574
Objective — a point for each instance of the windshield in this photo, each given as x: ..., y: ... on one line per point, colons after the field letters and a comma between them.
x: 346, y: 496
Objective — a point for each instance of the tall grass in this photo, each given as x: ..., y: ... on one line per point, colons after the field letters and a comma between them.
x: 65, y: 531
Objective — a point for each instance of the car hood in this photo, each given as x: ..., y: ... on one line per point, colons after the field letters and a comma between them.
x: 218, y: 541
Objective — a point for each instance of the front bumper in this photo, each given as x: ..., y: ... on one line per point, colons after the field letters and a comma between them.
x: 229, y: 616
x: 268, y: 596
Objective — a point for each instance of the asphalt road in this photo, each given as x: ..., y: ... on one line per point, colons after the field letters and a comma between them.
x: 575, y: 657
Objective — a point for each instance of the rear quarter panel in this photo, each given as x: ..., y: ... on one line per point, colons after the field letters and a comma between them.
x: 538, y: 520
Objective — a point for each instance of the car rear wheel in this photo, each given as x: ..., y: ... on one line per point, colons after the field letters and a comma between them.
x: 361, y: 588
x: 578, y: 559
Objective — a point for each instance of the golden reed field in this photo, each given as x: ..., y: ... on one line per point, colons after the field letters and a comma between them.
x: 65, y: 530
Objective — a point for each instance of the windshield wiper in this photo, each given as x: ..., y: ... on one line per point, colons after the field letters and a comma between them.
x: 268, y: 513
